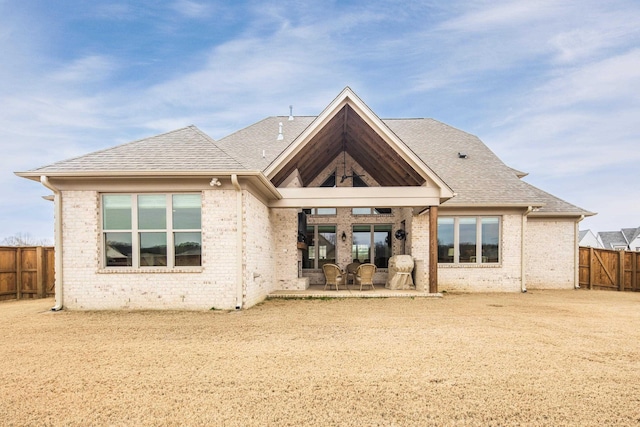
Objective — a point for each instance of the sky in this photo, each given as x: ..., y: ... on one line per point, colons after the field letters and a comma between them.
x: 551, y: 87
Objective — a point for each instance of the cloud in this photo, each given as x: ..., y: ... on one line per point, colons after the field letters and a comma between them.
x: 497, y: 16
x: 89, y: 68
x: 598, y: 83
x: 192, y: 9
x: 542, y: 83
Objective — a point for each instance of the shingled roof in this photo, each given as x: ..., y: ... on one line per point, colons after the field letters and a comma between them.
x: 186, y: 149
x: 479, y: 179
x: 461, y: 160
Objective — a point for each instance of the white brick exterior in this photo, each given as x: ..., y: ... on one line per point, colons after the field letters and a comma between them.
x: 270, y: 257
x: 87, y: 286
x: 504, y: 277
x: 550, y: 261
x: 259, y: 251
x: 285, y: 237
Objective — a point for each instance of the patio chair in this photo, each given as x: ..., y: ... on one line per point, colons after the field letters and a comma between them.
x: 364, y: 275
x: 351, y: 272
x: 333, y: 276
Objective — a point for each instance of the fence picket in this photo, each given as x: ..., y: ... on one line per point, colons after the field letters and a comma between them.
x: 606, y: 269
x: 23, y: 276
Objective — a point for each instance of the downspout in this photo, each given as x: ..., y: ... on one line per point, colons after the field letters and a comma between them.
x: 57, y: 200
x: 239, y: 241
x: 523, y: 280
x: 576, y: 246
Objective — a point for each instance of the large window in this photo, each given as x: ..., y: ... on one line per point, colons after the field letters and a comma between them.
x: 152, y: 230
x: 468, y: 240
x: 321, y: 247
x: 372, y: 244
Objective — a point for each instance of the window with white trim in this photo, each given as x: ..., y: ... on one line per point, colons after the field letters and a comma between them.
x: 469, y: 240
x: 151, y: 230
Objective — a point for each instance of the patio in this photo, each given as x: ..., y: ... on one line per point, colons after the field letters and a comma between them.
x: 318, y: 291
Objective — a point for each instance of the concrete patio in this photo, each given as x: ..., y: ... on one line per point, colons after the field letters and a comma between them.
x: 318, y: 291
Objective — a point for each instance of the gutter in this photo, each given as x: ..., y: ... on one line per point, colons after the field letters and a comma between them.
x: 57, y: 200
x: 523, y: 280
x: 239, y: 241
x: 576, y: 237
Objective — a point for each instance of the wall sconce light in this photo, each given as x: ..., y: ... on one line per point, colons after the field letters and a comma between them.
x: 344, y: 236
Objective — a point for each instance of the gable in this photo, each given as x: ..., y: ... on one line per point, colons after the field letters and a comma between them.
x: 347, y: 126
x: 348, y: 132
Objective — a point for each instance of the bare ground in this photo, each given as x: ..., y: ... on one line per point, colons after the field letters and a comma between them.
x: 547, y: 358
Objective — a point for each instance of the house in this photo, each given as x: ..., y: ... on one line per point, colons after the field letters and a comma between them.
x: 627, y: 239
x: 180, y: 221
x: 589, y: 240
x: 632, y: 235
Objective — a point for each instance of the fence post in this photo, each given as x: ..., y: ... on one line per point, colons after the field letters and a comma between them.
x: 591, y: 269
x: 18, y: 273
x: 621, y: 271
x: 634, y: 271
x: 40, y: 272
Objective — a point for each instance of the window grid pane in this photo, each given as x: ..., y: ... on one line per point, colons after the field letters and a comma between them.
x: 153, y: 249
x: 326, y: 248
x: 467, y: 245
x: 490, y: 239
x: 361, y: 244
x: 188, y: 249
x: 152, y: 212
x: 116, y: 212
x: 187, y: 211
x: 118, y: 249
x: 446, y: 230
x: 382, y: 245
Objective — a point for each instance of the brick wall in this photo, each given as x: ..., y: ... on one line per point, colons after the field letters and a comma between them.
x: 504, y: 277
x: 285, y: 237
x: 88, y: 287
x: 270, y: 256
x: 550, y: 253
x: 259, y: 253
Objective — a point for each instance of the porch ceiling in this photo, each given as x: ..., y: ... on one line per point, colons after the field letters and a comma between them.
x: 347, y: 129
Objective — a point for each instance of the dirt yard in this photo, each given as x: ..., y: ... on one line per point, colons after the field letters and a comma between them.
x: 552, y: 358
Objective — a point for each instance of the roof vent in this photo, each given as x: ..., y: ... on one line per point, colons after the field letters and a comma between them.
x: 462, y: 155
x: 290, y: 112
x: 280, y: 135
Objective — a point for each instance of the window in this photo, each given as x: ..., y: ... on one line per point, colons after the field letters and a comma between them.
x: 330, y: 181
x: 321, y: 248
x: 152, y: 230
x: 371, y: 211
x: 468, y: 240
x: 320, y: 211
x: 372, y: 244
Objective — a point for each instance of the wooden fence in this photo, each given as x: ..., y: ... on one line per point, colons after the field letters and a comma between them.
x: 609, y: 270
x: 26, y: 272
